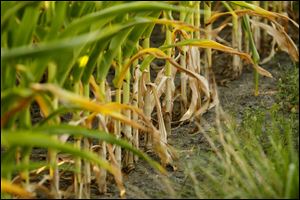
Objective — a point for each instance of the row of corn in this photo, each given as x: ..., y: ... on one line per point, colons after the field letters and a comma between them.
x: 57, y: 57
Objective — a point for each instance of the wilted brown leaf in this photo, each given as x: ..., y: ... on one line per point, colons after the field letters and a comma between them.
x: 284, y: 41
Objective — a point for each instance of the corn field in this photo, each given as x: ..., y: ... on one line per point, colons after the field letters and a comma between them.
x: 80, y: 83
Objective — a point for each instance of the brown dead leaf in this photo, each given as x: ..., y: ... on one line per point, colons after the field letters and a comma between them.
x: 284, y: 41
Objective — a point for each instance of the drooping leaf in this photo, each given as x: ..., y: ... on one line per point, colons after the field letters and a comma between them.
x: 203, y: 43
x: 283, y: 40
x: 160, y: 54
x: 105, y: 109
x: 14, y: 189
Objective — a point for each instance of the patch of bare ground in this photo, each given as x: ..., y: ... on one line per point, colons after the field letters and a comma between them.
x: 235, y: 98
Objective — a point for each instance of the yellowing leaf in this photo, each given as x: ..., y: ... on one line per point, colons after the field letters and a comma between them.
x: 255, y: 8
x: 283, y: 40
x: 105, y: 109
x: 153, y: 51
x: 177, y: 24
x: 43, y: 105
x: 193, y: 104
x: 160, y: 54
x: 13, y: 189
x: 215, y: 45
x: 96, y: 89
x: 257, y: 12
x: 162, y: 128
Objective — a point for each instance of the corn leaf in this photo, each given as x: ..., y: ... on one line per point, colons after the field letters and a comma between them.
x: 217, y: 46
x: 283, y: 40
x: 14, y: 189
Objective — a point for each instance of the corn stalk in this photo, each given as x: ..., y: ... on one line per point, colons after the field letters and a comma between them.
x: 183, y: 76
x: 168, y: 74
x: 102, y: 174
x: 117, y: 131
x: 147, y: 98
x: 264, y: 32
x: 86, y: 146
x: 126, y: 128
x: 236, y: 41
x: 257, y: 40
x: 253, y: 49
x: 197, y: 58
x: 135, y: 102
x: 256, y: 30
x: 208, y: 56
x: 53, y: 170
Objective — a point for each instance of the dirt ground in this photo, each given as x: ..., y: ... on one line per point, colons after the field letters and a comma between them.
x: 235, y: 97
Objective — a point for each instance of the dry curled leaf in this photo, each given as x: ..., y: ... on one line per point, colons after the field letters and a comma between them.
x: 284, y: 41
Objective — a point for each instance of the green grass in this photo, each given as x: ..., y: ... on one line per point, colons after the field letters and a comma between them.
x: 258, y: 158
x: 288, y: 86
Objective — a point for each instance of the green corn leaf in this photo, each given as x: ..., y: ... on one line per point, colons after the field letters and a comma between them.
x: 55, y: 47
x: 8, y: 9
x: 246, y: 25
x: 135, y: 35
x: 58, y: 19
x: 100, y: 135
x: 39, y: 139
x: 57, y: 112
x: 108, y: 57
x: 7, y: 139
x: 13, y: 168
x: 96, y: 53
x: 27, y: 26
x: 117, y: 10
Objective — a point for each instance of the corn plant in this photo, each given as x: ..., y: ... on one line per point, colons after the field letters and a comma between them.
x: 58, y: 58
